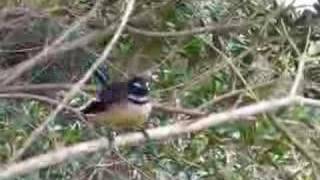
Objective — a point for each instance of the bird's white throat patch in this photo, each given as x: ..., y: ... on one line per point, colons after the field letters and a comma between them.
x: 138, y: 99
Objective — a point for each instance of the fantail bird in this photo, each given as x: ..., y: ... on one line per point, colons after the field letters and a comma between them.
x: 121, y: 105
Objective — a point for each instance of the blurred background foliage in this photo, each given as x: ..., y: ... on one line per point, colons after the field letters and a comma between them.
x: 192, y: 71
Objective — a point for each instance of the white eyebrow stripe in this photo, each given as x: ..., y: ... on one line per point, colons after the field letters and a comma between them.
x: 137, y: 84
x: 139, y: 99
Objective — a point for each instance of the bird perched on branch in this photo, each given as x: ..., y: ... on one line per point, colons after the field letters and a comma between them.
x: 121, y: 105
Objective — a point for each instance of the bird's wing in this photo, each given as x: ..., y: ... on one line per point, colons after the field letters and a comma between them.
x: 115, y: 92
x: 93, y: 107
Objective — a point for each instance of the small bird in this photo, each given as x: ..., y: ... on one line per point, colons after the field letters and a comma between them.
x: 121, y: 105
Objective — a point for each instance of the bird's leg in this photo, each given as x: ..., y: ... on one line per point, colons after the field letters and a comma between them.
x: 148, y: 141
x: 110, y: 135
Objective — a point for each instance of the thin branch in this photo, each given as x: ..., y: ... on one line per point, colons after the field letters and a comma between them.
x: 299, y: 76
x: 288, y: 134
x: 28, y: 64
x: 302, y: 57
x: 308, y: 101
x: 35, y: 97
x: 42, y: 99
x: 41, y: 87
x: 81, y: 82
x: 233, y: 67
x: 20, y: 92
x: 216, y: 28
x: 80, y: 42
x: 8, y: 76
x: 291, y: 41
x: 63, y: 154
x: 233, y: 93
x: 176, y: 110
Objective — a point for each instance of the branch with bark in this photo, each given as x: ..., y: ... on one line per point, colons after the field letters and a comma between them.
x: 214, y: 119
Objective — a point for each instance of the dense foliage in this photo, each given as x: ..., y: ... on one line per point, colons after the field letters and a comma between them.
x: 192, y: 71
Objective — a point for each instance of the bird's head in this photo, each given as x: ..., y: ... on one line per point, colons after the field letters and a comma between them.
x: 138, y: 86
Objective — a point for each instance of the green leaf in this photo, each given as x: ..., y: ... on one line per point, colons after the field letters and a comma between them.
x: 194, y: 47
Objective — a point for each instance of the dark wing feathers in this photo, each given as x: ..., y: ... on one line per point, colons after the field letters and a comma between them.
x: 94, y: 106
x: 114, y: 93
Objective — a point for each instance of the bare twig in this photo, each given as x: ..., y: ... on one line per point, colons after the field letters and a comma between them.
x: 35, y: 97
x: 233, y: 93
x: 216, y: 28
x: 41, y: 87
x: 234, y: 68
x: 8, y: 76
x: 302, y: 57
x: 28, y: 64
x: 308, y: 101
x: 175, y: 110
x: 42, y: 99
x: 19, y: 92
x: 288, y: 134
